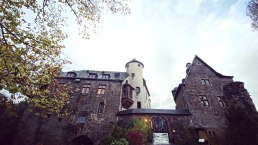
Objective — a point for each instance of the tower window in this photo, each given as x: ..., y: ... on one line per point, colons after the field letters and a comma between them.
x: 139, y: 105
x: 137, y: 90
x: 86, y: 89
x: 205, y: 82
x: 139, y: 65
x: 204, y: 100
x: 101, y: 107
x: 133, y: 75
x: 101, y: 90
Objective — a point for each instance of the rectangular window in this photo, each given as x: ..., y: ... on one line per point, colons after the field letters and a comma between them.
x: 71, y: 75
x: 105, y: 76
x: 204, y: 100
x: 81, y: 119
x: 139, y: 105
x: 101, y: 107
x: 86, y: 89
x: 205, y: 82
x: 222, y: 101
x: 92, y: 75
x: 101, y: 90
x: 137, y: 90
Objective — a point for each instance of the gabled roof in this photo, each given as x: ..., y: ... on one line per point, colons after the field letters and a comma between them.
x: 153, y: 111
x: 196, y: 57
x: 218, y: 74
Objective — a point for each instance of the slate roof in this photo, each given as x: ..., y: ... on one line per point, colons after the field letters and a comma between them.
x: 153, y: 111
x: 134, y: 60
x: 84, y: 74
x: 218, y: 74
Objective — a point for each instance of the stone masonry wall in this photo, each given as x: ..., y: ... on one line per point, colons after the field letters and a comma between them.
x: 238, y: 95
x: 209, y: 117
x: 62, y: 130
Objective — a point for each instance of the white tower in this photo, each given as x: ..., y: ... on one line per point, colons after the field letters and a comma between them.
x: 140, y: 93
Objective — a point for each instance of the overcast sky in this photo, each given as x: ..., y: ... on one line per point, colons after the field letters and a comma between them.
x: 166, y: 34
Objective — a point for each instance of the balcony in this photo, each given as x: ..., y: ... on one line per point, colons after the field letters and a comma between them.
x: 127, y: 102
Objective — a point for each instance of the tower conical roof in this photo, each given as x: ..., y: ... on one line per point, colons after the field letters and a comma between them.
x: 134, y: 60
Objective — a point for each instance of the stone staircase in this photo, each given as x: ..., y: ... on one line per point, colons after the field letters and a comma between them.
x: 160, y: 139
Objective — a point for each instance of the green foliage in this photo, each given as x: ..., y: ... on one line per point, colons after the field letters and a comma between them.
x: 30, y: 45
x: 141, y: 125
x: 242, y: 126
x: 252, y: 12
x: 107, y: 140
x: 121, y: 141
x: 119, y: 132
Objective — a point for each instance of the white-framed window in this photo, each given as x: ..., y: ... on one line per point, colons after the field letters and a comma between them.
x: 222, y: 101
x: 205, y: 82
x: 86, y: 89
x: 101, y: 90
x: 204, y: 100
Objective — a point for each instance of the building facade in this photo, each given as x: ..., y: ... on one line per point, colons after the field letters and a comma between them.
x: 100, y: 99
x: 207, y: 95
x: 95, y: 99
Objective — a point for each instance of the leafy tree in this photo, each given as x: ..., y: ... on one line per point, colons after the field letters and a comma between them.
x: 252, y: 12
x: 30, y: 45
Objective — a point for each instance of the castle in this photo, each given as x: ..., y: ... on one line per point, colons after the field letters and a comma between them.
x: 100, y: 99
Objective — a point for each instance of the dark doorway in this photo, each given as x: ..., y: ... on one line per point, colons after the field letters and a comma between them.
x: 139, y: 105
x: 81, y: 140
x: 159, y: 125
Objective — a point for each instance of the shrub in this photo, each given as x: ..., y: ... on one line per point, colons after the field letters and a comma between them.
x: 121, y: 141
x: 119, y: 132
x: 107, y: 140
x: 135, y: 137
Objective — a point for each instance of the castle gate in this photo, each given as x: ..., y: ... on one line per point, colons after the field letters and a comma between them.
x: 81, y: 140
